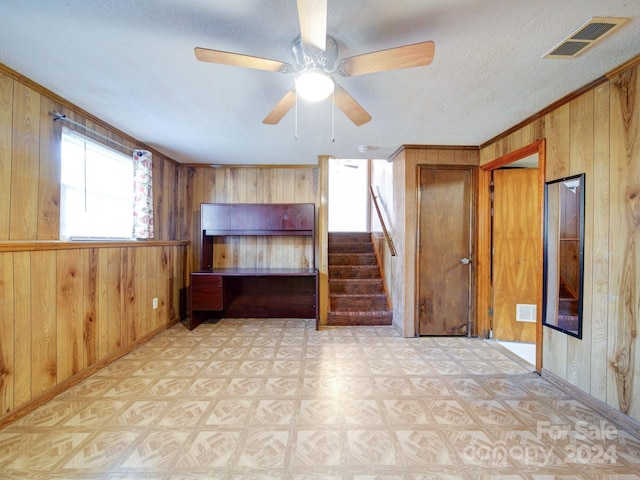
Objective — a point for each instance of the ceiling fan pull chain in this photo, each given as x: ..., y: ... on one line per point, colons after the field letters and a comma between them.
x: 295, y: 131
x: 333, y: 115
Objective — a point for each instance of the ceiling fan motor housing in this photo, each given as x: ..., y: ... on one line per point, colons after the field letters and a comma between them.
x: 308, y: 57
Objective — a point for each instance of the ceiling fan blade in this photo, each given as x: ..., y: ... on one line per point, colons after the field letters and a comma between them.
x: 238, y: 60
x: 352, y: 109
x: 312, y: 15
x: 415, y: 55
x: 281, y: 109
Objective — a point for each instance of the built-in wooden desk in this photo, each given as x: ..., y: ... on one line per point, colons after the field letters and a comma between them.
x: 253, y: 292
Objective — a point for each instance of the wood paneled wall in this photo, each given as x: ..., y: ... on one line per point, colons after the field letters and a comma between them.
x: 67, y: 308
x: 248, y: 185
x: 597, y: 134
x: 30, y: 162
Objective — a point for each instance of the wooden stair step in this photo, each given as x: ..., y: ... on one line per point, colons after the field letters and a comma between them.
x: 359, y: 318
x: 352, y: 259
x: 360, y: 237
x: 354, y: 271
x: 358, y: 302
x: 350, y: 248
x: 369, y: 285
x: 356, y: 289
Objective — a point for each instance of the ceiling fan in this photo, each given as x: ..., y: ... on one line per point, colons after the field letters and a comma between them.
x: 316, y: 60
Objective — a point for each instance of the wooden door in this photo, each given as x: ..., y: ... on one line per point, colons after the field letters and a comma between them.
x: 516, y: 247
x: 444, y: 272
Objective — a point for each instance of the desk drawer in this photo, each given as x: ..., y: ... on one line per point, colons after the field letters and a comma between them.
x: 206, y: 292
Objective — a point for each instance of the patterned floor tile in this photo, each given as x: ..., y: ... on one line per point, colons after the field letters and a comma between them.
x: 403, y: 411
x: 370, y: 448
x: 265, y: 449
x: 141, y: 413
x: 274, y: 412
x: 360, y: 386
x: 286, y: 367
x: 448, y: 412
x: 157, y: 450
x: 184, y: 413
x: 91, y: 387
x: 185, y: 368
x: 254, y: 367
x: 502, y: 387
x: 211, y: 449
x: 52, y: 413
x: 244, y: 387
x: 423, y: 447
x: 316, y: 411
x: 430, y: 387
x: 105, y: 451
x: 384, y: 366
x: 316, y: 448
x: 207, y: 386
x: 251, y: 399
x: 169, y: 387
x: 96, y: 413
x: 217, y: 368
x: 491, y: 412
x: 449, y: 367
x: 229, y: 411
x: 19, y: 444
x: 320, y: 386
x: 392, y: 386
x: 130, y: 387
x: 360, y: 412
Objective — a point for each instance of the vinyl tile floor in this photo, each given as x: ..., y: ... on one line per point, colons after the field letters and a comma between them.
x: 276, y: 399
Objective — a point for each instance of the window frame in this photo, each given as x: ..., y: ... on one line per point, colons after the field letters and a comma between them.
x: 95, y: 148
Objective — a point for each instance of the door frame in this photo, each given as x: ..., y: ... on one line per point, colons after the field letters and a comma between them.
x: 483, y: 242
x: 472, y: 329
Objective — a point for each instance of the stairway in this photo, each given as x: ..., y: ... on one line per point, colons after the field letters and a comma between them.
x: 356, y: 289
x: 567, y: 308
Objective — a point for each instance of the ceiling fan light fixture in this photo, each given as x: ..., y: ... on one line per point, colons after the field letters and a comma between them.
x: 314, y: 85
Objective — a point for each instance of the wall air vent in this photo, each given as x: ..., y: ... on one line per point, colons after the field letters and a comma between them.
x: 588, y: 34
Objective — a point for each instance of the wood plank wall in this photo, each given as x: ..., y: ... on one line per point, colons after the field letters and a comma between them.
x: 597, y: 133
x: 67, y: 308
x: 295, y: 184
x: 30, y: 163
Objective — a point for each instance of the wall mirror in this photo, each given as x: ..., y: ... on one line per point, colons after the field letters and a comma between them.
x: 563, y: 254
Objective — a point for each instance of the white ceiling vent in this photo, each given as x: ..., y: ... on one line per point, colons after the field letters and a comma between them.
x: 591, y: 32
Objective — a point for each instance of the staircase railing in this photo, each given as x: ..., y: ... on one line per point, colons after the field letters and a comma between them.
x: 385, y: 231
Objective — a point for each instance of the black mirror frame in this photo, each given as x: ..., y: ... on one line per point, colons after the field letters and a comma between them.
x: 545, y: 282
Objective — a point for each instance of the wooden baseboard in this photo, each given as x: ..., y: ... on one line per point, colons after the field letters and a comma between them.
x: 44, y: 397
x: 614, y: 416
x: 621, y: 420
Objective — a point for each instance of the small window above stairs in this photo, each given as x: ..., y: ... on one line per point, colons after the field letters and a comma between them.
x: 357, y: 295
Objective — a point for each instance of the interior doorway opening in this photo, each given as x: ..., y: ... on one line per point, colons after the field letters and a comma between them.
x: 486, y: 264
x: 349, y: 202
x: 515, y: 264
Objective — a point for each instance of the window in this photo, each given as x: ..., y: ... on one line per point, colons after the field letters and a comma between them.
x: 96, y: 199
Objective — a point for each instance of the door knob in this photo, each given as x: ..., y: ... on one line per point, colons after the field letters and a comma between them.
x: 465, y: 261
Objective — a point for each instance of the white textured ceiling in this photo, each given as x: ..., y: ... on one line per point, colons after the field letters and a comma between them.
x: 131, y: 63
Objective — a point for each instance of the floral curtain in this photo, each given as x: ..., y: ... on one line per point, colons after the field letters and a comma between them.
x: 142, y: 195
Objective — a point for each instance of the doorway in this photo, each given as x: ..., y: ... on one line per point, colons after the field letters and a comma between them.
x: 348, y: 196
x: 499, y: 304
x: 515, y: 262
x: 444, y: 270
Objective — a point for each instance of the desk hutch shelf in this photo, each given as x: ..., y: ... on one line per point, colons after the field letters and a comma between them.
x: 253, y: 292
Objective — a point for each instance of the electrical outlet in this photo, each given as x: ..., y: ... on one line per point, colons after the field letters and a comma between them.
x: 155, y: 303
